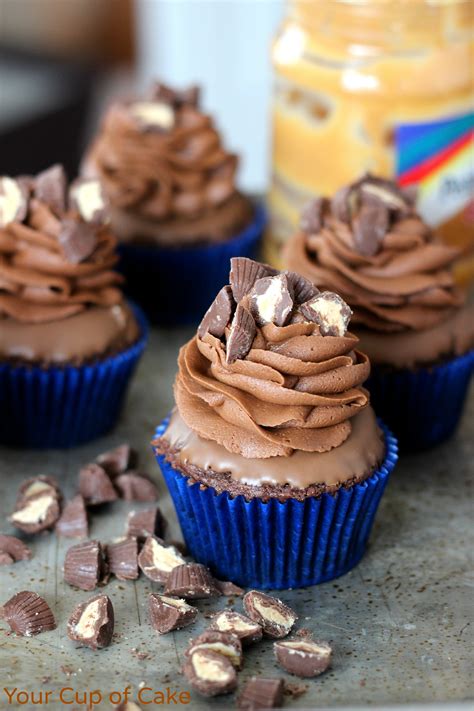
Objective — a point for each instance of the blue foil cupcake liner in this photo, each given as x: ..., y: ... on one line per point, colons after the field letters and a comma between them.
x: 66, y: 406
x: 275, y: 545
x: 175, y: 286
x: 422, y: 407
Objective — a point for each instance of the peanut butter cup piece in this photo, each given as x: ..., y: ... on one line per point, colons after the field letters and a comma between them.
x: 329, y: 311
x: 301, y: 288
x: 370, y: 225
x: 241, y: 335
x: 13, y: 201
x: 270, y: 300
x: 143, y: 524
x: 303, y: 657
x: 243, y: 627
x: 169, y: 613
x: 384, y: 192
x: 133, y: 486
x: 209, y: 673
x: 261, y: 693
x: 73, y: 521
x: 92, y: 623
x: 77, y: 239
x: 50, y: 187
x: 276, y: 618
x: 85, y: 566
x: 96, y: 486
x: 312, y: 215
x: 122, y: 559
x: 191, y: 581
x: 36, y: 513
x: 244, y: 273
x: 12, y: 550
x: 28, y: 614
x: 229, y: 589
x: 118, y: 460
x: 218, y: 314
x: 157, y: 560
x: 152, y: 115
x: 225, y: 643
x: 87, y: 197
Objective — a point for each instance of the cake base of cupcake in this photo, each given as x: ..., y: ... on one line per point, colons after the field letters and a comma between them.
x: 273, y: 544
x: 60, y: 407
x: 175, y: 286
x: 423, y: 407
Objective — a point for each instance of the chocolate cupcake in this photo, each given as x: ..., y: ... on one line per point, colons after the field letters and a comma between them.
x: 369, y: 244
x: 173, y: 202
x: 68, y: 340
x: 273, y: 456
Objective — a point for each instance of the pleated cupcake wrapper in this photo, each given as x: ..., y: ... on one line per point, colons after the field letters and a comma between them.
x: 422, y: 407
x: 66, y: 406
x: 273, y: 544
x: 175, y: 286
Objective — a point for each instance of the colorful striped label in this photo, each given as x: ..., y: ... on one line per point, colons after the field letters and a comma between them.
x: 438, y: 157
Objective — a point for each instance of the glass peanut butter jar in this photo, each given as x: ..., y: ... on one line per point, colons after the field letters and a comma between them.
x: 385, y: 86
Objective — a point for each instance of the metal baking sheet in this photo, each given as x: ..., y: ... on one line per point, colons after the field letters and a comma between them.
x: 401, y: 622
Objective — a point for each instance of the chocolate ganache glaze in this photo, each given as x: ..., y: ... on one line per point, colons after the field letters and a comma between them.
x: 369, y: 244
x: 165, y: 173
x: 59, y: 296
x: 269, y: 392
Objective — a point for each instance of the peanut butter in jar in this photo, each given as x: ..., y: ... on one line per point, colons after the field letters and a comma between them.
x: 375, y: 85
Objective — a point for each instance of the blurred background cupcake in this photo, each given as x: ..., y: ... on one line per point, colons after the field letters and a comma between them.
x: 273, y: 456
x: 173, y: 201
x: 68, y: 340
x: 369, y: 244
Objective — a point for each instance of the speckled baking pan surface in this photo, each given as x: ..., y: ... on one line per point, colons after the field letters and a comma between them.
x: 400, y: 623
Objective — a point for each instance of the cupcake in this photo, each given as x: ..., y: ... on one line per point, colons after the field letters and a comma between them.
x: 273, y: 455
x: 68, y: 340
x: 369, y: 244
x: 170, y: 187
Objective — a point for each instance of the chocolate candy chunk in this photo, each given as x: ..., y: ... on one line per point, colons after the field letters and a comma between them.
x: 229, y: 589
x: 301, y: 288
x: 135, y: 487
x: 260, y: 693
x: 95, y: 485
x: 270, y: 300
x: 12, y: 550
x: 225, y: 643
x: 303, y: 657
x: 330, y: 312
x: 92, y: 623
x: 39, y: 485
x: 189, y: 97
x: 169, y: 613
x: 87, y: 197
x: 122, y: 558
x: 384, y: 192
x: 312, y: 215
x: 119, y: 460
x: 370, y: 226
x: 152, y: 115
x: 28, y: 614
x: 342, y: 202
x: 157, y: 560
x: 85, y: 566
x: 243, y: 627
x: 241, y: 336
x: 50, y: 187
x: 142, y: 524
x: 244, y: 273
x: 272, y: 614
x: 192, y: 581
x: 73, y: 521
x: 77, y: 239
x: 128, y: 706
x: 36, y: 513
x: 13, y: 201
x: 218, y: 314
x: 210, y: 673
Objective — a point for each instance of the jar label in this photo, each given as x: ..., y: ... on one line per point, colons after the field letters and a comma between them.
x: 438, y: 157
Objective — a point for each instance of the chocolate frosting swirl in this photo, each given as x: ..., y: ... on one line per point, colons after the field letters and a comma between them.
x: 45, y: 274
x: 294, y: 389
x: 162, y: 157
x: 404, y: 284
